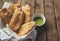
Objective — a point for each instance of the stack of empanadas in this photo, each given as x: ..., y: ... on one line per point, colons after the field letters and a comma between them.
x: 18, y: 18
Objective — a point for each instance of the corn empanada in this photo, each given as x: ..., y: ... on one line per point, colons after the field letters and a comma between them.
x: 5, y: 15
x: 26, y: 28
x: 17, y: 20
x: 26, y: 10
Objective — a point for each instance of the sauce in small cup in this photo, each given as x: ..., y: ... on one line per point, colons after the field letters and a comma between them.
x: 39, y: 19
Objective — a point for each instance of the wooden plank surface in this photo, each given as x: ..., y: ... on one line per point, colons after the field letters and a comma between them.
x: 51, y: 23
x: 41, y: 33
x: 57, y: 14
x: 39, y: 6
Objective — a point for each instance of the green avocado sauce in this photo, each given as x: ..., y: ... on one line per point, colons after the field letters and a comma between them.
x: 38, y: 20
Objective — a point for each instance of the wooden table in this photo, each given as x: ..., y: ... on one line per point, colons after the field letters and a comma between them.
x: 51, y: 30
x: 51, y: 9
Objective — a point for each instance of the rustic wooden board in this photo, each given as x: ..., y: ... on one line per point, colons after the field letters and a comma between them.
x: 51, y: 23
x: 41, y: 36
x: 39, y: 6
x: 57, y: 14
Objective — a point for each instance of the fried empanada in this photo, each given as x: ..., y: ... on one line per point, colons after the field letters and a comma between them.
x: 5, y: 15
x: 17, y: 20
x: 14, y: 6
x: 26, y: 10
x: 26, y: 28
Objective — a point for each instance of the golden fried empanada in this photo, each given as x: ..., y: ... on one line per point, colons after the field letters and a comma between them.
x: 17, y: 20
x: 5, y: 15
x: 26, y: 10
x: 14, y: 6
x: 26, y: 28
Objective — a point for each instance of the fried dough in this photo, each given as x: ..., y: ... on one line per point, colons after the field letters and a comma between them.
x: 17, y: 20
x: 26, y: 10
x: 26, y: 28
x: 14, y: 6
x: 5, y: 15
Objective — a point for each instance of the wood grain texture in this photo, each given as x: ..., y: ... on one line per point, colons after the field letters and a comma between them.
x: 51, y: 23
x: 57, y: 14
x: 39, y: 6
x: 41, y: 33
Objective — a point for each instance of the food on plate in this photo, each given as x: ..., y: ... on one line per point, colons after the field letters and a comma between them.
x: 6, y: 15
x: 14, y: 6
x: 26, y: 28
x: 17, y: 20
x: 26, y: 10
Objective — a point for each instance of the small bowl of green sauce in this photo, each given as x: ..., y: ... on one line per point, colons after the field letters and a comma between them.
x: 39, y: 19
